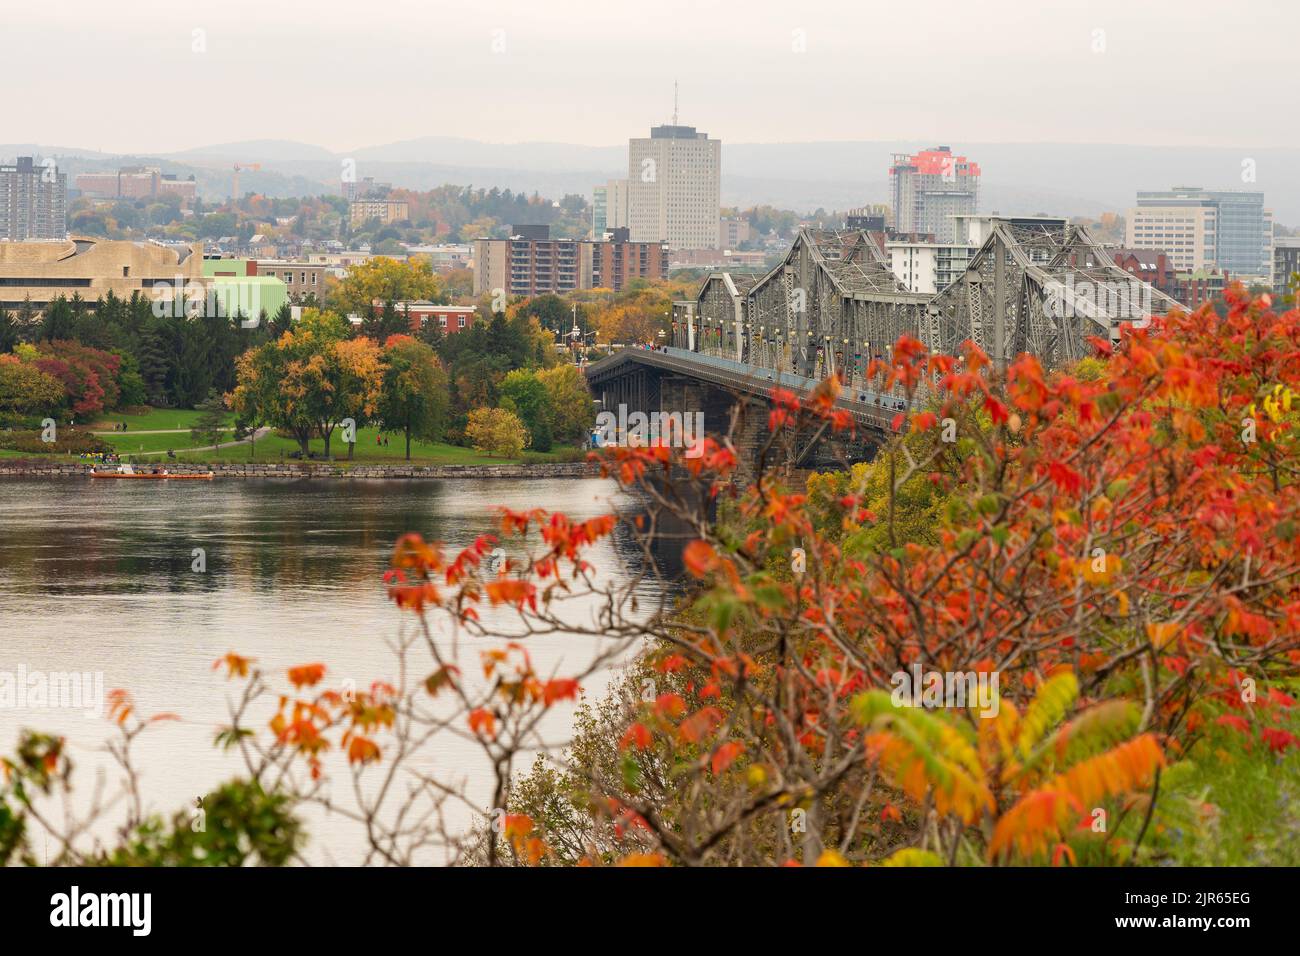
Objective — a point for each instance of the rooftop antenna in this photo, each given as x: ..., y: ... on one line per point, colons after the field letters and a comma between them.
x: 674, y: 102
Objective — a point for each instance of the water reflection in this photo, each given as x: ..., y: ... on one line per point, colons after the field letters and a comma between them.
x: 97, y: 576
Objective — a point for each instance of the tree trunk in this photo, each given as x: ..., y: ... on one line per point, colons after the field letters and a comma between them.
x: 408, y: 442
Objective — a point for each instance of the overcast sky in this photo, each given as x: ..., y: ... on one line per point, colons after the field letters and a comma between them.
x: 135, y: 76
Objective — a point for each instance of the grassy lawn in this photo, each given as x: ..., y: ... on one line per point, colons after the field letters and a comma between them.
x: 129, y: 443
x: 272, y: 448
x: 154, y: 420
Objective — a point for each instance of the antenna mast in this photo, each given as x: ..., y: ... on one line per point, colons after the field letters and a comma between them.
x: 674, y: 102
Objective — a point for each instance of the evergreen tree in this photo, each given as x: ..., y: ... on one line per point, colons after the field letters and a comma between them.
x: 60, y: 321
x: 282, y: 321
x: 210, y: 425
x: 28, y: 327
x: 8, y: 331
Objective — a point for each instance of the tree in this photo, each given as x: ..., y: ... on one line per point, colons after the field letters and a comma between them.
x: 414, y: 397
x: 523, y: 393
x: 9, y: 331
x: 60, y: 321
x: 1108, y: 598
x: 359, y: 385
x: 496, y: 431
x: 381, y: 279
x: 574, y: 411
x: 25, y: 388
x: 89, y: 376
x: 211, y: 423
x: 308, y: 380
x: 389, y: 321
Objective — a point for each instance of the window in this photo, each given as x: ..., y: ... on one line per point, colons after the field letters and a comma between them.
x: 460, y: 322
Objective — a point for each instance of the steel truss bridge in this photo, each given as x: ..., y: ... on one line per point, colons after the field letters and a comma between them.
x: 833, y: 304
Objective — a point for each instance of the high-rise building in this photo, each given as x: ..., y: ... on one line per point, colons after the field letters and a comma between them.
x: 33, y: 201
x: 931, y: 187
x: 1205, y: 229
x: 674, y: 188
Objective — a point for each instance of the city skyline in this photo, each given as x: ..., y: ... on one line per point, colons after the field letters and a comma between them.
x: 1010, y: 74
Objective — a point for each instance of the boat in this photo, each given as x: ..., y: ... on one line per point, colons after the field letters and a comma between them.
x: 126, y: 471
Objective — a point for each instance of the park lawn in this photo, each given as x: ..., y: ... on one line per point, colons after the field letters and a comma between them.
x: 273, y: 448
x: 133, y: 443
x: 153, y: 420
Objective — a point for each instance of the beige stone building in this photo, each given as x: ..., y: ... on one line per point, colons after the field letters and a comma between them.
x: 90, y: 268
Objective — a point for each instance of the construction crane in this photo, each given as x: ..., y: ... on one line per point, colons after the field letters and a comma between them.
x: 234, y: 180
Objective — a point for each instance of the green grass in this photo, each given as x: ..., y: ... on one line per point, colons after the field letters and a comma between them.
x: 127, y: 443
x: 271, y: 447
x: 153, y: 420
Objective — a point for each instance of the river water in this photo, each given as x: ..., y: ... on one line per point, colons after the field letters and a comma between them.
x: 98, y: 576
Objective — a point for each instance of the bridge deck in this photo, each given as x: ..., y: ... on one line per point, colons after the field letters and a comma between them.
x: 871, y: 409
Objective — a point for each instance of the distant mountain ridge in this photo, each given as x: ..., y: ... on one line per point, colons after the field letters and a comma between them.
x: 1058, y: 178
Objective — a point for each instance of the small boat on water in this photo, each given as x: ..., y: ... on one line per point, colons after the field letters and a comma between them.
x: 126, y: 471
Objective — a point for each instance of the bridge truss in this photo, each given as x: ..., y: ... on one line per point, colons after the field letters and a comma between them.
x: 833, y: 303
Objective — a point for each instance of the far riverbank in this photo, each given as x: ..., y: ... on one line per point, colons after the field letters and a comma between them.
x: 47, y: 468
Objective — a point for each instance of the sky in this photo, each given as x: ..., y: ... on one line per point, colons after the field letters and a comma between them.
x: 156, y: 76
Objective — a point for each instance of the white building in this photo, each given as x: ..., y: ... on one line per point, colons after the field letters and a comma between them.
x: 674, y: 188
x: 1186, y: 234
x: 928, y: 267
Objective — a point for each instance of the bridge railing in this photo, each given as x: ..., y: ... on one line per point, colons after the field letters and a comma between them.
x: 875, y: 408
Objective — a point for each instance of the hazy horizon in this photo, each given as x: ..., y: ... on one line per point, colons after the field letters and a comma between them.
x: 347, y: 78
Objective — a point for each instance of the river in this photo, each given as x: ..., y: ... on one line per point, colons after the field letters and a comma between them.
x: 99, y: 577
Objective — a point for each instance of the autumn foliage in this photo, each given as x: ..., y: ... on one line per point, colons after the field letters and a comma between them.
x: 1116, y: 542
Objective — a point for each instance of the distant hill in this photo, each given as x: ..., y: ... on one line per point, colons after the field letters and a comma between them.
x: 1064, y: 179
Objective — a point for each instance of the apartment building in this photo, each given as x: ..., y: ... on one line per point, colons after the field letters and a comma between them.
x: 611, y: 264
x: 674, y: 188
x: 531, y: 263
x: 385, y: 210
x: 33, y: 201
x: 929, y: 188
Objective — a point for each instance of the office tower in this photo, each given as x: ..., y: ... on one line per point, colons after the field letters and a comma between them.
x: 1205, y: 229
x: 674, y: 188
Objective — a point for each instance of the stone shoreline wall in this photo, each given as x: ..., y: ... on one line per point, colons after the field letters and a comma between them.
x: 38, y: 468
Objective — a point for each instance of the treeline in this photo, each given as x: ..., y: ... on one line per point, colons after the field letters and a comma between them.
x: 162, y: 360
x: 79, y: 360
